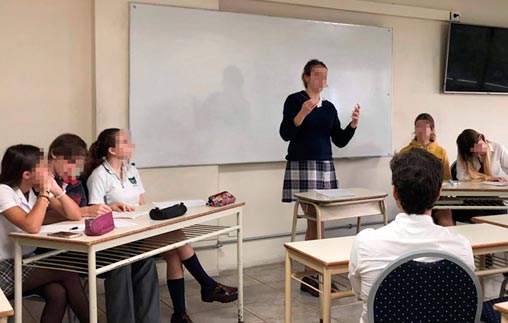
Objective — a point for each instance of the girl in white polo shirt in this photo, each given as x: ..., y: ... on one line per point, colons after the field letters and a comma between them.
x: 21, y: 209
x: 116, y: 183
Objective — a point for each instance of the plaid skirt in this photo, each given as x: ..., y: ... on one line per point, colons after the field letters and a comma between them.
x: 306, y: 175
x: 7, y: 276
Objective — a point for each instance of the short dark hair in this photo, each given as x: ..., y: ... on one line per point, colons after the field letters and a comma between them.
x: 17, y: 160
x: 417, y: 176
x: 307, y: 69
x: 69, y: 146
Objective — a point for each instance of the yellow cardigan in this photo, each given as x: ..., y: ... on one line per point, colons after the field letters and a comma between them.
x: 435, y: 150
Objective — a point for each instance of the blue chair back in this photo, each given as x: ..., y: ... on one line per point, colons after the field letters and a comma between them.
x: 445, y: 290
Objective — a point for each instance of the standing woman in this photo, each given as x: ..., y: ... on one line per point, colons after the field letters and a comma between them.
x: 27, y: 194
x: 310, y: 124
x: 117, y: 183
x: 425, y: 138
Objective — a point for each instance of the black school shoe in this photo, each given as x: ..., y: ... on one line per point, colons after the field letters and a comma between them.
x: 221, y: 293
x: 184, y: 318
x: 313, y: 281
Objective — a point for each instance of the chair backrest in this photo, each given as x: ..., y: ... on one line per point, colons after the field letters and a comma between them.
x: 445, y: 290
x: 453, y: 170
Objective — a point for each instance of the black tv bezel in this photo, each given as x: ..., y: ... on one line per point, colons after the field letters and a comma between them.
x: 448, y: 56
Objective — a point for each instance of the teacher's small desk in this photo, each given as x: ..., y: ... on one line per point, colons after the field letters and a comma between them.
x: 464, y: 195
x: 330, y: 257
x: 361, y: 202
x: 5, y: 308
x: 96, y: 255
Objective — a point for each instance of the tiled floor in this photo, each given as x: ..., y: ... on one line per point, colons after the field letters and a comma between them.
x: 263, y: 300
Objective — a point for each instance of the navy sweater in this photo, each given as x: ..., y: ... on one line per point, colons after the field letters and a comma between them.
x: 311, y: 140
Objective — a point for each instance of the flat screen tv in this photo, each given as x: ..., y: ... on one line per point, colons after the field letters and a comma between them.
x: 477, y: 59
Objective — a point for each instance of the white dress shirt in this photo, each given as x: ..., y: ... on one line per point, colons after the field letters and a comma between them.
x: 498, y: 163
x: 373, y: 250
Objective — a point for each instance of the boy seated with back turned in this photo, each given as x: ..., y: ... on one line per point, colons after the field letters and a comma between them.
x: 416, y: 180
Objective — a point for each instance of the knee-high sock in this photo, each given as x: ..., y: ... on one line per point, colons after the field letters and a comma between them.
x: 194, y: 267
x: 176, y: 289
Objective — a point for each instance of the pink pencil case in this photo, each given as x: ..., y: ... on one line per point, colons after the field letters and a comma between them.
x: 100, y: 225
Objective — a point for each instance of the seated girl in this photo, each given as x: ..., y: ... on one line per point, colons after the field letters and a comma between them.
x: 27, y: 194
x: 117, y: 183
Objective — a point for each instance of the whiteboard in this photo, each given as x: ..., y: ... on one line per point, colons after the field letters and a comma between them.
x: 208, y: 87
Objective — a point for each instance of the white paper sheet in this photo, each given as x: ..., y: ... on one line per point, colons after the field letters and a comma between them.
x: 335, y: 193
x: 80, y: 227
x: 188, y: 203
x: 496, y: 183
x: 129, y: 215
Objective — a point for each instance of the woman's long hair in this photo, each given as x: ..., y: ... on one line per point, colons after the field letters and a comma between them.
x: 17, y: 160
x: 465, y: 142
x: 99, y: 150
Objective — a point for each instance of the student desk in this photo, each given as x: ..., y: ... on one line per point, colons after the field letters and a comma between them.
x: 503, y: 309
x: 464, y: 195
x: 501, y: 219
x: 329, y: 257
x: 96, y: 255
x: 364, y: 202
x: 5, y: 308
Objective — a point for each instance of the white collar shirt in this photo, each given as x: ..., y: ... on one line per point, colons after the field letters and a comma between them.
x: 106, y: 186
x: 9, y: 198
x: 373, y: 250
x: 498, y: 163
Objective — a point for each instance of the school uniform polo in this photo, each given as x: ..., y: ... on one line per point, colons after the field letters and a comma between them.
x: 106, y: 186
x: 435, y: 150
x: 9, y: 198
x: 373, y: 250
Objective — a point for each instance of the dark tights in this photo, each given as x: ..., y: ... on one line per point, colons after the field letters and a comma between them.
x: 58, y: 288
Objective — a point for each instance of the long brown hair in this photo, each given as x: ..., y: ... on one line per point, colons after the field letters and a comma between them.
x: 465, y: 142
x: 99, y: 150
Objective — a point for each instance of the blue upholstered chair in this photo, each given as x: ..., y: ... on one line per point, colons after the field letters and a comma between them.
x: 445, y: 290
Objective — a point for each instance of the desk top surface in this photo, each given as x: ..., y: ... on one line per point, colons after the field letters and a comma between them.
x: 501, y: 219
x: 501, y: 307
x: 336, y: 251
x: 357, y: 194
x: 5, y: 306
x: 466, y: 186
x: 143, y: 224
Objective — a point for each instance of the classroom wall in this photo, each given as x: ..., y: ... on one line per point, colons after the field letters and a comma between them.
x: 46, y: 70
x: 80, y: 74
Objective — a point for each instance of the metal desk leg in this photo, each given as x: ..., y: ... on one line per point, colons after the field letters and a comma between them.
x: 18, y: 283
x: 92, y: 285
x: 239, y: 264
x: 318, y: 222
x: 358, y: 224
x: 287, y: 290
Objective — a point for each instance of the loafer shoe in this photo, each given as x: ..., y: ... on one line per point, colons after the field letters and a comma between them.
x: 221, y: 293
x: 184, y: 318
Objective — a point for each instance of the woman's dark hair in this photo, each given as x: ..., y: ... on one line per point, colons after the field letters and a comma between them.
x: 69, y: 146
x: 428, y: 118
x: 307, y: 69
x: 417, y: 176
x: 17, y: 160
x: 99, y: 150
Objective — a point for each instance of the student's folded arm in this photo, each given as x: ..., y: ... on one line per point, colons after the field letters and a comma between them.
x: 29, y: 222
